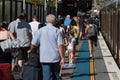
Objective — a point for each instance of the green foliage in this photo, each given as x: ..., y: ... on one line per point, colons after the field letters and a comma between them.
x: 51, y: 3
x: 37, y: 2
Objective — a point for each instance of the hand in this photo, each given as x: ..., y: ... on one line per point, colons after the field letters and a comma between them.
x: 62, y: 62
x: 29, y: 51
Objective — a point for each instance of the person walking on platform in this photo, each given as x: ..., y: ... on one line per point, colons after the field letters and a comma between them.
x: 67, y: 22
x: 11, y: 29
x: 71, y: 47
x: 5, y: 56
x: 91, y: 32
x: 23, y: 36
x: 34, y: 25
x: 50, y: 42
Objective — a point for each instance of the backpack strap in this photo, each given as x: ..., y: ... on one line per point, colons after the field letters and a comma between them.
x: 96, y: 29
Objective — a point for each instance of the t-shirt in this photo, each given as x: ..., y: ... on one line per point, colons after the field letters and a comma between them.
x: 34, y: 27
x: 12, y: 25
x: 48, y: 38
x: 23, y: 31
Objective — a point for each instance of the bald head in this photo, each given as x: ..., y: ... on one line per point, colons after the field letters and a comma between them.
x: 50, y: 18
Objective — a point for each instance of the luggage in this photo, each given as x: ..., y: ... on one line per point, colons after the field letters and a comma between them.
x: 31, y: 73
x: 33, y: 60
x: 32, y: 68
x: 5, y: 71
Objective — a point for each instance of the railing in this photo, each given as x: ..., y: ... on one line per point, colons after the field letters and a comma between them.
x: 9, y: 10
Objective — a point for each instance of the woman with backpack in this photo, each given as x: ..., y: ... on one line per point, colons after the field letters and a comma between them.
x: 91, y: 32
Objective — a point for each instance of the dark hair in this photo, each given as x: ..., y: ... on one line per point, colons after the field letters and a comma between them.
x: 71, y: 33
x: 3, y: 25
x: 91, y: 21
x: 21, y: 16
x: 35, y: 16
x: 73, y: 22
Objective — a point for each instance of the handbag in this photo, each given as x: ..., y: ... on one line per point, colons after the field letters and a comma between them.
x: 6, y: 45
x: 11, y: 46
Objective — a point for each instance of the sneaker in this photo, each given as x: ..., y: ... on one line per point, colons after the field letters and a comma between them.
x: 66, y: 53
x: 70, y: 61
x: 71, y: 65
x: 91, y: 55
x: 60, y: 77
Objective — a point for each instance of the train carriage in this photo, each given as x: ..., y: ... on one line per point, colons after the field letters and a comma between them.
x: 110, y: 23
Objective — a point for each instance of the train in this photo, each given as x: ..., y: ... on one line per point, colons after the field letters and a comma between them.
x: 110, y: 28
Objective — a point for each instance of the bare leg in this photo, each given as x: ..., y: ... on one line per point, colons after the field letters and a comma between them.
x: 20, y: 64
x: 90, y: 43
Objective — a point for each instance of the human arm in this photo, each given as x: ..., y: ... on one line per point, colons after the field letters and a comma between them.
x: 86, y: 29
x: 34, y: 43
x: 32, y: 47
x: 61, y: 52
x: 61, y: 49
x: 12, y: 36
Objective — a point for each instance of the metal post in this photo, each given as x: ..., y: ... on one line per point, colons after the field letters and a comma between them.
x: 94, y: 3
x: 45, y: 7
x: 3, y: 10
x: 56, y: 7
x: 11, y: 16
x: 24, y: 6
x: 16, y: 7
x: 45, y: 10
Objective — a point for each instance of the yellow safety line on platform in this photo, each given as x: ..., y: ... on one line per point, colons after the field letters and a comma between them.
x: 92, y: 70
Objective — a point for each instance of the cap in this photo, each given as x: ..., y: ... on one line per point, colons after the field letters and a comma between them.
x: 68, y: 16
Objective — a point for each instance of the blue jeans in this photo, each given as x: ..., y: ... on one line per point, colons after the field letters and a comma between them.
x: 51, y: 70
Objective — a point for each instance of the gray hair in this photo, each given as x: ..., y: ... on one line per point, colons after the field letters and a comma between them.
x: 50, y: 18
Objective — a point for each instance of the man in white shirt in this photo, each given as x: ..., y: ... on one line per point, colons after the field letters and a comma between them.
x: 34, y: 25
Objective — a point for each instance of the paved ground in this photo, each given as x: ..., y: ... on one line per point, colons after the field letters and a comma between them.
x: 99, y: 69
x: 67, y: 73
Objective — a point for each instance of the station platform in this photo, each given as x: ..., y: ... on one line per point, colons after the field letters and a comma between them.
x: 101, y: 67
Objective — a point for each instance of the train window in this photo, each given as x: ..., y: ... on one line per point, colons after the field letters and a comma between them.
x: 39, y: 12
